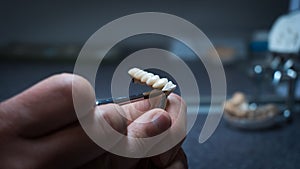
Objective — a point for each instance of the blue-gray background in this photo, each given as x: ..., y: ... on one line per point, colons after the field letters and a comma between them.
x: 41, y: 38
x: 74, y: 21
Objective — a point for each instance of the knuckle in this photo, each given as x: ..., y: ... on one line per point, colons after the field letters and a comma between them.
x: 66, y: 84
x: 63, y: 83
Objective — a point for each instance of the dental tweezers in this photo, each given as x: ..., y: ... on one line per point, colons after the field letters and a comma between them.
x: 135, y: 98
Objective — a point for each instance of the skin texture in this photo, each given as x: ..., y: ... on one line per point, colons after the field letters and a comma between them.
x: 39, y: 128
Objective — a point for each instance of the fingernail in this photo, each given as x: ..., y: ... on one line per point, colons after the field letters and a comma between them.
x: 161, y: 122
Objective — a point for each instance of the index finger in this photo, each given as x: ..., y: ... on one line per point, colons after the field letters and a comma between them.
x: 176, y: 108
x: 134, y: 110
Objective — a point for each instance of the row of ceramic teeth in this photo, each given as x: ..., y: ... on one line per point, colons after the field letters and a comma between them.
x: 151, y: 80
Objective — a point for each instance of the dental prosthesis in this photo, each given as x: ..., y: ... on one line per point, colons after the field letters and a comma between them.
x: 152, y: 80
x: 161, y: 87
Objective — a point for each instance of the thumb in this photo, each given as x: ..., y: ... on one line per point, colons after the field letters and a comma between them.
x: 151, y: 123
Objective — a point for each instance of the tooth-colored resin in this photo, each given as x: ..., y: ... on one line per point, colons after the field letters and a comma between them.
x: 169, y: 87
x: 160, y: 83
x: 140, y: 74
x: 137, y: 73
x: 146, y: 77
x: 132, y: 71
x: 151, y: 80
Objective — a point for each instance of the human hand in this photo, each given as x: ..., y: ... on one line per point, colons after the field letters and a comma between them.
x: 39, y: 128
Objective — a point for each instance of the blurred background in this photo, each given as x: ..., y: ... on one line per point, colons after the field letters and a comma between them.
x: 42, y: 38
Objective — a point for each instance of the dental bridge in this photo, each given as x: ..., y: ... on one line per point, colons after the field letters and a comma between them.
x: 161, y: 87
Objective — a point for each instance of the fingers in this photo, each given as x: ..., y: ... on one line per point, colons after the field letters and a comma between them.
x: 71, y: 147
x: 142, y: 127
x: 176, y: 108
x: 134, y: 110
x: 112, y: 114
x: 151, y: 123
x: 68, y: 148
x: 47, y: 106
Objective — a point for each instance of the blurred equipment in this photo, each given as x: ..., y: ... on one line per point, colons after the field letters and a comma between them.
x: 285, y: 34
x: 284, y: 44
x: 283, y: 67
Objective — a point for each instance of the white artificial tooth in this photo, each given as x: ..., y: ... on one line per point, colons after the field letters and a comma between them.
x: 160, y: 83
x: 132, y: 71
x: 169, y: 86
x: 139, y: 75
x: 136, y: 75
x: 146, y: 77
x: 152, y: 80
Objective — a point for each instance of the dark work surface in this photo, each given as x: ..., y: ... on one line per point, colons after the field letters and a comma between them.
x: 230, y: 148
x: 226, y: 148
